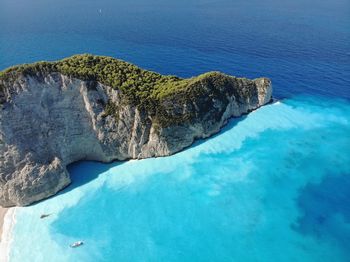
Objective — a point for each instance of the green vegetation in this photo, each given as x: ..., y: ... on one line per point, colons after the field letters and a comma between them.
x: 135, y: 83
x: 142, y: 88
x: 111, y: 109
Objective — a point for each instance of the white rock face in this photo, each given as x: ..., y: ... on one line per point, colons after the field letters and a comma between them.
x: 47, y: 123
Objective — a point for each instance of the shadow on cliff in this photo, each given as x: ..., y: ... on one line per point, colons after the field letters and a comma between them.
x: 83, y: 172
x: 232, y: 122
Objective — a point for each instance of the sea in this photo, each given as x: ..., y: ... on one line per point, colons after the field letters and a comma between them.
x: 271, y: 186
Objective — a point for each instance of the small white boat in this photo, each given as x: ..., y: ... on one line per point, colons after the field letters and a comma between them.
x: 77, y: 244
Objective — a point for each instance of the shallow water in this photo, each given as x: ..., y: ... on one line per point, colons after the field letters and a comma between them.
x: 274, y: 185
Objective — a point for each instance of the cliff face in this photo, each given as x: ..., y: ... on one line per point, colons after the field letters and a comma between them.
x: 50, y: 120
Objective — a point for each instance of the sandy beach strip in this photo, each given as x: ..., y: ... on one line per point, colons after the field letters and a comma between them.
x: 2, y: 216
x: 7, y: 223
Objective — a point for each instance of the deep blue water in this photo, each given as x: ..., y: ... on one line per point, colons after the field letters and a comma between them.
x: 273, y: 186
x: 302, y: 45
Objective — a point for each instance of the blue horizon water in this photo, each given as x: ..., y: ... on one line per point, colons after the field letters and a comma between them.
x: 272, y: 186
x: 302, y: 45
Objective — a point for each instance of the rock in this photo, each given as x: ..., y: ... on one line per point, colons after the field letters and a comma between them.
x: 49, y: 120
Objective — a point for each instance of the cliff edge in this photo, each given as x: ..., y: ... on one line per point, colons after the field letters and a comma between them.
x: 89, y: 107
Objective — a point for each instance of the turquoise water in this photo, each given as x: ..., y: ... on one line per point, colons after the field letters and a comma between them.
x: 272, y: 186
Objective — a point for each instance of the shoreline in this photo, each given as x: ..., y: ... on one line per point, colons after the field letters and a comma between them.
x: 8, y: 221
x: 2, y: 216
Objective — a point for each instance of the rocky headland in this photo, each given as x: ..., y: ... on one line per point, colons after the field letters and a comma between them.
x: 89, y: 107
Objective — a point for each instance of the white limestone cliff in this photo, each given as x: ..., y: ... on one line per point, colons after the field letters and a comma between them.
x: 47, y: 123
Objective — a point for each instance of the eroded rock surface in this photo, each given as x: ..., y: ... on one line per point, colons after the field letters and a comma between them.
x: 52, y: 120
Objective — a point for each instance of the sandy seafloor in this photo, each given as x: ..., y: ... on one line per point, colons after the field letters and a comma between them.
x: 7, y: 223
x: 2, y: 216
x: 272, y: 185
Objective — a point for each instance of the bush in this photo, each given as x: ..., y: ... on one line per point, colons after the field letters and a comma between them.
x: 142, y: 88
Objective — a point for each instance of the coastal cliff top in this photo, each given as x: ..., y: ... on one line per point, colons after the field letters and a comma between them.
x: 137, y: 84
x: 144, y: 89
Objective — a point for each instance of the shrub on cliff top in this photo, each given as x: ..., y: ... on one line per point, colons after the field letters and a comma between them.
x: 136, y: 83
x: 141, y: 87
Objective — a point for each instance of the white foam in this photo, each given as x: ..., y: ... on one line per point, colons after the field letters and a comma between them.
x: 6, y: 238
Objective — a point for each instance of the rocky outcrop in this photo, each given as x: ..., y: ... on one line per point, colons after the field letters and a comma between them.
x: 50, y: 120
